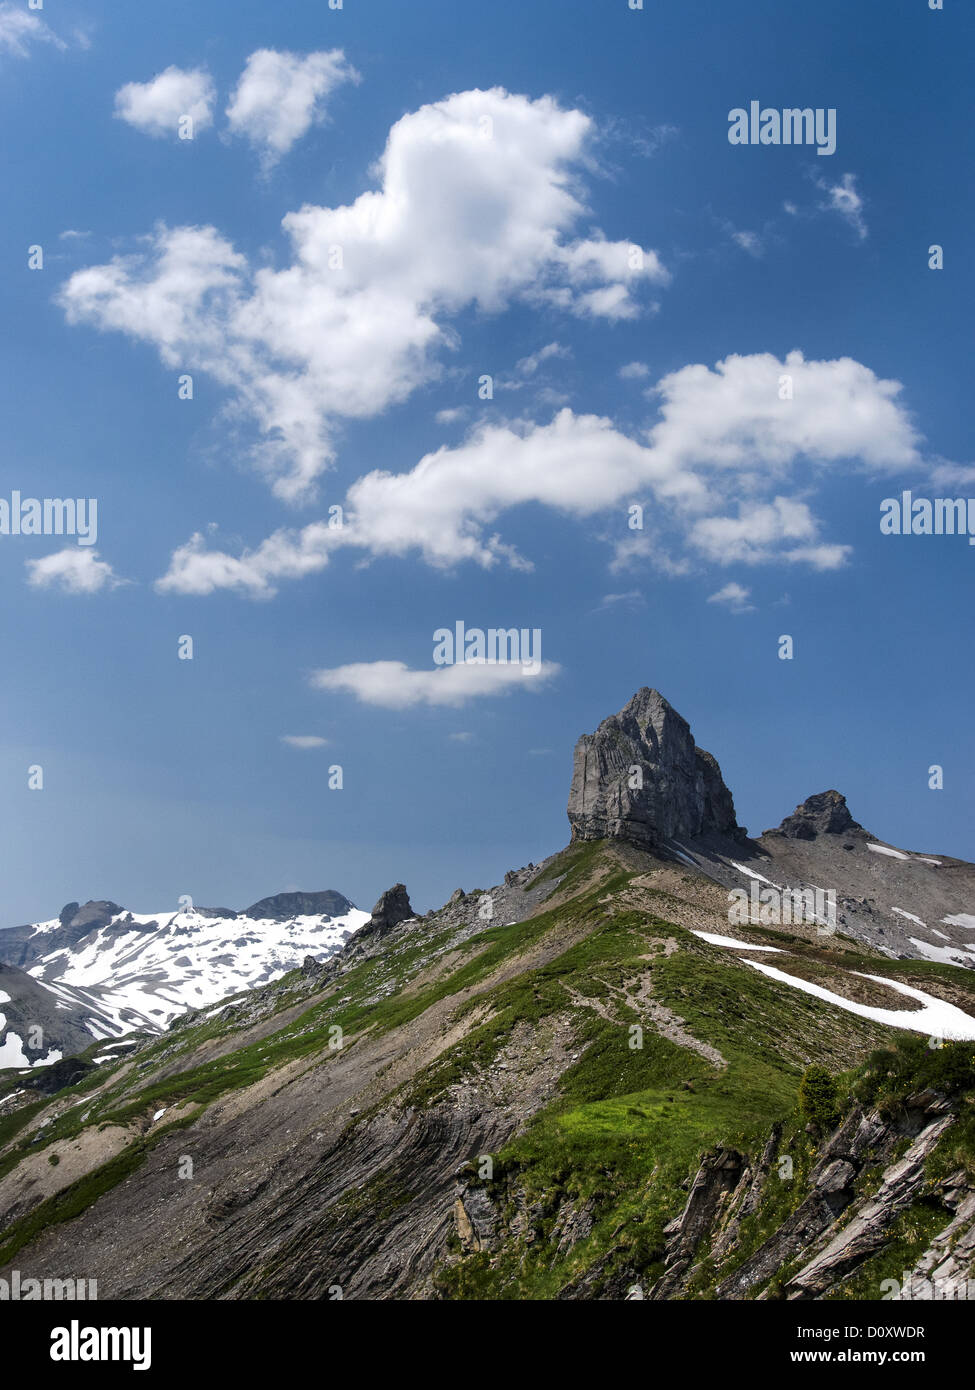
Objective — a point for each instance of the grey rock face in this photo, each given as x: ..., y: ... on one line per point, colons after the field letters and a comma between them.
x: 640, y: 778
x: 31, y: 1011
x: 826, y: 813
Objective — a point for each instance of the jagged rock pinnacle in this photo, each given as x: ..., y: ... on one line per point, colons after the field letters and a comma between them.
x: 640, y: 778
x: 392, y: 908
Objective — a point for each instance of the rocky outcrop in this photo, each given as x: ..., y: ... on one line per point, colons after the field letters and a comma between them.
x: 867, y: 1229
x: 640, y: 778
x: 944, y: 1272
x: 717, y: 1178
x: 392, y: 908
x: 68, y: 1072
x: 826, y: 813
x: 861, y: 1181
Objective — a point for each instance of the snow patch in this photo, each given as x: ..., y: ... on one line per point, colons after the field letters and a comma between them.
x: 936, y: 1018
x: 751, y: 873
x: 948, y: 955
x: 731, y: 941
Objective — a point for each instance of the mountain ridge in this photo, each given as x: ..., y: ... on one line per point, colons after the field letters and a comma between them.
x: 127, y: 970
x: 586, y: 1082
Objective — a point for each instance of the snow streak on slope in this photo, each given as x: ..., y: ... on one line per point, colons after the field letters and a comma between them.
x: 936, y: 1017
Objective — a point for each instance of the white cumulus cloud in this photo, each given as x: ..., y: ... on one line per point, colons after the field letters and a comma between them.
x: 477, y: 204
x: 724, y: 448
x: 783, y: 529
x: 157, y: 107
x: 73, y: 570
x: 281, y: 95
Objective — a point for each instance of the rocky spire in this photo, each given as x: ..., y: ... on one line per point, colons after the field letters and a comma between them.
x: 392, y: 908
x: 640, y: 778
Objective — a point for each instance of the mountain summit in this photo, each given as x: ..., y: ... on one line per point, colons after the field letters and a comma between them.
x: 641, y: 778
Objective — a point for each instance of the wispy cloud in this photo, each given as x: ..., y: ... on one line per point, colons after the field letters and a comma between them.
x: 843, y: 198
x: 784, y: 528
x: 631, y: 599
x: 734, y: 597
x: 633, y: 371
x: 750, y: 242
x: 528, y: 366
x: 19, y: 28
x: 953, y: 475
x: 393, y: 685
x: 304, y: 741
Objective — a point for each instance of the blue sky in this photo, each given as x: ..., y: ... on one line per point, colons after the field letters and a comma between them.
x: 528, y: 149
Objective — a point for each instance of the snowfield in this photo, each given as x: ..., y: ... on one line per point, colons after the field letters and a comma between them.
x: 144, y: 969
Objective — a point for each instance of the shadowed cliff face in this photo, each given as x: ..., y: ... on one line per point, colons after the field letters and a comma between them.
x: 640, y: 778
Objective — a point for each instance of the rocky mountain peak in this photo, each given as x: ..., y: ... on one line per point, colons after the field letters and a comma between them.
x: 90, y: 916
x: 281, y: 907
x: 641, y: 778
x: 826, y: 813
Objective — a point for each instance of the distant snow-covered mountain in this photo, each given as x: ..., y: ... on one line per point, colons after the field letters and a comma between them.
x: 98, y: 970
